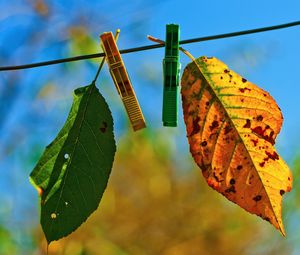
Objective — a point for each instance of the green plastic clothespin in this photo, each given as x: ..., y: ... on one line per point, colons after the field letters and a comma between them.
x: 171, y: 70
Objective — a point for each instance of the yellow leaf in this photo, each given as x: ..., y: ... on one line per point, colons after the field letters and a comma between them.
x: 231, y: 127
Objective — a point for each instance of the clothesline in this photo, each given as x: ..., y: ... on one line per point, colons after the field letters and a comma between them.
x: 149, y: 47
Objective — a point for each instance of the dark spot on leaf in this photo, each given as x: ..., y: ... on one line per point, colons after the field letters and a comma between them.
x: 265, y: 94
x: 244, y: 80
x: 221, y: 77
x: 226, y: 71
x: 261, y: 132
x: 207, y: 103
x: 232, y: 181
x: 203, y: 167
x: 214, y: 125
x: 259, y: 118
x: 242, y: 100
x: 244, y: 89
x: 104, y: 127
x: 248, y: 124
x: 231, y: 189
x: 239, y: 167
x: 258, y: 130
x: 228, y: 128
x: 196, y: 126
x: 216, y: 177
x: 273, y: 156
x: 254, y: 141
x: 267, y: 219
x: 282, y: 192
x: 257, y: 198
x: 262, y: 163
x: 204, y: 143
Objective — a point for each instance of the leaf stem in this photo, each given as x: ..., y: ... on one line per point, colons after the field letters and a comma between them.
x: 153, y: 39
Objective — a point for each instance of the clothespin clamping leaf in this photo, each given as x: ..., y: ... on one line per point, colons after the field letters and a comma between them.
x: 171, y: 70
x: 122, y: 82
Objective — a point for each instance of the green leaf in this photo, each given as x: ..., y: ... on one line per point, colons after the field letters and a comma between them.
x: 73, y: 171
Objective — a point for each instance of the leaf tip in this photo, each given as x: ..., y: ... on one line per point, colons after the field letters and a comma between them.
x: 281, y: 230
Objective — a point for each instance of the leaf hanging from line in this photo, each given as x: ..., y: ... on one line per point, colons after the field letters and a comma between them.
x: 74, y: 169
x: 231, y: 126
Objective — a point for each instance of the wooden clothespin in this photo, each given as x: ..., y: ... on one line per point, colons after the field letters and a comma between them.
x: 171, y: 70
x: 122, y: 82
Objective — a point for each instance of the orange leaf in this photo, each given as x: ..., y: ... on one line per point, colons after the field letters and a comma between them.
x: 231, y: 127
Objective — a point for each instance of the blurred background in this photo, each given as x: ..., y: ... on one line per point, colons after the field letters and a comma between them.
x: 156, y: 201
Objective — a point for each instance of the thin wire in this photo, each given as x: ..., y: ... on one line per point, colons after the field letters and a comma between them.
x: 153, y: 39
x: 150, y: 47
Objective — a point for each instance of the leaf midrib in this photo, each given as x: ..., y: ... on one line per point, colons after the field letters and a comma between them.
x: 75, y: 146
x: 207, y: 84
